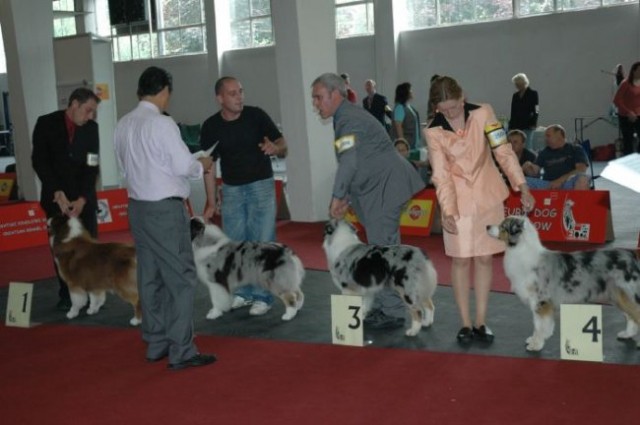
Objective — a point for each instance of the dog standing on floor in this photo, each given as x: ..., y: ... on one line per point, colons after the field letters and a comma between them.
x: 224, y: 265
x: 359, y: 269
x: 544, y: 279
x: 91, y: 268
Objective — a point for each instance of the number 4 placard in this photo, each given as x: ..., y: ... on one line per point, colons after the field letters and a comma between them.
x: 346, y: 320
x: 19, y: 305
x: 581, y: 332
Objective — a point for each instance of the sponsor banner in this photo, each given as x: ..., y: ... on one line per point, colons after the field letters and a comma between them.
x: 22, y: 225
x: 417, y: 217
x: 113, y: 210
x: 7, y: 180
x: 568, y: 215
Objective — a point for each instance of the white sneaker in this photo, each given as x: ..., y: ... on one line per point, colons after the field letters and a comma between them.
x: 259, y: 308
x: 239, y: 302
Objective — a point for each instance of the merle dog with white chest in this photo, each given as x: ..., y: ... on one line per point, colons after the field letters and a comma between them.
x: 224, y: 265
x: 360, y: 269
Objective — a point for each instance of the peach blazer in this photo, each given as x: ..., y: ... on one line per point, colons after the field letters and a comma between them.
x: 468, y: 183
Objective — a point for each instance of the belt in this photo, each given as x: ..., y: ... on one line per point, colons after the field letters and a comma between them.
x: 174, y: 198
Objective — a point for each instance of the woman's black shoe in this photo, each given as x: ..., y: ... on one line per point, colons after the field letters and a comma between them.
x: 465, y: 335
x: 483, y: 334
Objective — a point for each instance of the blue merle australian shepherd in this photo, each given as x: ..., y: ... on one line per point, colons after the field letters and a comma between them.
x: 544, y: 279
x: 359, y: 269
x: 224, y: 265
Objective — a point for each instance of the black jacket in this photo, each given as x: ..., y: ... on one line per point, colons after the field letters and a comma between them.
x: 524, y: 111
x: 377, y: 107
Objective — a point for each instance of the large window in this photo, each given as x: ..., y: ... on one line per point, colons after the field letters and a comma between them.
x: 249, y: 23
x: 354, y: 18
x: 430, y: 13
x: 159, y: 28
x: 64, y: 18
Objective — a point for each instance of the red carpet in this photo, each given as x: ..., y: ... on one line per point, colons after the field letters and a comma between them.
x: 98, y: 376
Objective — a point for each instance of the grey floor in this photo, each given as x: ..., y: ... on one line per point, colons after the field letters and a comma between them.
x: 510, y: 320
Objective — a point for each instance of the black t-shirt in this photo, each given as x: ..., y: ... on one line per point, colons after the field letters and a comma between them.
x: 527, y: 155
x: 558, y: 162
x: 241, y: 160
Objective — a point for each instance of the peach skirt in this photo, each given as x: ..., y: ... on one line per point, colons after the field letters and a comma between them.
x: 472, y: 239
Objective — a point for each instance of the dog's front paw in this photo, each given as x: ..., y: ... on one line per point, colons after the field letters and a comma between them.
x: 135, y: 321
x: 214, y: 313
x: 93, y: 310
x: 72, y: 313
x: 290, y: 313
x: 534, y: 344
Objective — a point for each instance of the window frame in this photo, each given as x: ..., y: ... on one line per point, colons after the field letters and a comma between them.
x: 370, y: 19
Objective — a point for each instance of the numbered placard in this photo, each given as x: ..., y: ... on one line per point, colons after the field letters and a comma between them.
x: 581, y: 332
x: 346, y: 320
x: 19, y: 304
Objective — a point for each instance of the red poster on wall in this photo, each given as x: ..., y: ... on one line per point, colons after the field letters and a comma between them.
x: 113, y: 210
x: 568, y: 215
x: 22, y: 225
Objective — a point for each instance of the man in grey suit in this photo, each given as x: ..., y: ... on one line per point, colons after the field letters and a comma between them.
x: 371, y: 177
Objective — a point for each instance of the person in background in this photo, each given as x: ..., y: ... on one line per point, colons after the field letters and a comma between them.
x: 524, y: 107
x: 352, y: 96
x: 471, y: 194
x: 559, y: 165
x: 244, y: 139
x: 627, y: 100
x: 66, y: 158
x: 406, y: 125
x: 402, y: 146
x: 157, y: 167
x: 517, y: 138
x: 431, y: 109
x: 371, y: 177
x: 376, y: 103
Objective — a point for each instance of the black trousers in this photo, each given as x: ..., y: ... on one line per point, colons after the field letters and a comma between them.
x: 627, y: 128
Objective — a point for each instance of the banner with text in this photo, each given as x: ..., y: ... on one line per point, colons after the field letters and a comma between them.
x: 568, y: 215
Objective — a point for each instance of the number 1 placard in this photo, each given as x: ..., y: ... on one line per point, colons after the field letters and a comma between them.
x: 346, y: 320
x: 19, y: 305
x: 581, y: 332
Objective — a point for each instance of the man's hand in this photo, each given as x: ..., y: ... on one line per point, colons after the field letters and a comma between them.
x: 76, y: 207
x: 557, y: 183
x: 530, y: 169
x: 211, y: 210
x: 268, y: 147
x: 207, y: 163
x: 61, y: 199
x: 338, y: 208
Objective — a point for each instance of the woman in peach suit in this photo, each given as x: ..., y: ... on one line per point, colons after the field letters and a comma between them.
x: 471, y: 193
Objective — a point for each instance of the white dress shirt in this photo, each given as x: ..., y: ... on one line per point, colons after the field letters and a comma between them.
x: 156, y: 163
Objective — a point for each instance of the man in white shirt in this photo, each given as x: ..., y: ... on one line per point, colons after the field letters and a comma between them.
x: 157, y: 166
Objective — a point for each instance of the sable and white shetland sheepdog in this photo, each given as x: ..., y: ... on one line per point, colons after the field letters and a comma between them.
x: 544, y: 279
x: 359, y: 269
x: 224, y: 265
x: 92, y: 268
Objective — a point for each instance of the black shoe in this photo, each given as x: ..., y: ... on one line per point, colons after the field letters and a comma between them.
x: 465, y: 335
x: 483, y: 334
x: 64, y: 305
x: 195, y: 361
x: 378, y: 320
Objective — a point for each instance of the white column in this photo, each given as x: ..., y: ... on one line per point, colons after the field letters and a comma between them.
x: 27, y: 29
x: 386, y: 48
x: 305, y: 48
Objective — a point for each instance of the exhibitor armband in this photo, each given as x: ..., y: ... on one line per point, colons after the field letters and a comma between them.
x: 495, y: 134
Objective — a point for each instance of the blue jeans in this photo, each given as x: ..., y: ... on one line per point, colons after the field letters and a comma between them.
x: 537, y: 183
x: 249, y: 214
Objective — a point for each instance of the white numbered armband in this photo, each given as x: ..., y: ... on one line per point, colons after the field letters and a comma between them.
x: 93, y: 159
x: 345, y: 143
x: 495, y: 134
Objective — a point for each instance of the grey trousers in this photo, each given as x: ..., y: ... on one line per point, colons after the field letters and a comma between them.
x: 383, y: 228
x: 166, y: 277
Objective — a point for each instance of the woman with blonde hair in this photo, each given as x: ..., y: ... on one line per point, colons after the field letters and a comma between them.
x: 471, y: 193
x: 524, y: 107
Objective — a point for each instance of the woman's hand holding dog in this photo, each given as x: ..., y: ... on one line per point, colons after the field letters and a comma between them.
x: 449, y: 224
x: 526, y: 198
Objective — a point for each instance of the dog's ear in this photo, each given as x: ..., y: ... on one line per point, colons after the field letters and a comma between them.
x: 197, y: 227
x: 330, y: 227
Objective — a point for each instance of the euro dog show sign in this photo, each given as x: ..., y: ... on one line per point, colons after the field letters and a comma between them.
x: 568, y: 215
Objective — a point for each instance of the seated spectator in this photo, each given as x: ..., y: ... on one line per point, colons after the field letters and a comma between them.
x: 560, y: 165
x: 413, y: 156
x: 402, y: 146
x: 518, y: 139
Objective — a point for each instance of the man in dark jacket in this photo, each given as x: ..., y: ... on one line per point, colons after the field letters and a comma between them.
x: 65, y: 157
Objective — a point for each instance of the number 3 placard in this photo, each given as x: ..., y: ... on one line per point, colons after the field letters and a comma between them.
x: 581, y: 332
x: 19, y: 305
x: 346, y: 320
